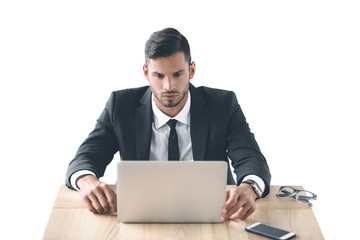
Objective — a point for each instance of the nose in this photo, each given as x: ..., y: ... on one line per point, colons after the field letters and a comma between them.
x: 169, y: 83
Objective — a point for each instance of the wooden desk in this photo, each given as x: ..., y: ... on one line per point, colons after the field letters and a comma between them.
x: 70, y: 219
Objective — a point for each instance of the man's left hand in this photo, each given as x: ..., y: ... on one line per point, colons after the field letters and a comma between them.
x: 240, y: 203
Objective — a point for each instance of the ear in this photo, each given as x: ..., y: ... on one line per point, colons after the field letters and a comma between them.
x: 192, y: 69
x: 146, y: 72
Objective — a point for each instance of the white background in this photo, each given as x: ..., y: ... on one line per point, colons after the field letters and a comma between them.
x: 293, y: 65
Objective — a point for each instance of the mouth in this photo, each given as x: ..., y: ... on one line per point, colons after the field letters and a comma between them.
x: 169, y: 96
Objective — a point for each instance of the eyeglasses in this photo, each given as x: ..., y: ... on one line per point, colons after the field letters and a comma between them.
x: 302, y: 196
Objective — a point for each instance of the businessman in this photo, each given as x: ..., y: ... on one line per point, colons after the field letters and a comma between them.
x: 171, y: 119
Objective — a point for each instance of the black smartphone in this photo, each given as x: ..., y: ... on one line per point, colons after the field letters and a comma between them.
x: 270, y: 231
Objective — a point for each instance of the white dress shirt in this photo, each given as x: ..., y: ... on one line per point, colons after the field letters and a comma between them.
x: 160, y: 140
x: 161, y: 131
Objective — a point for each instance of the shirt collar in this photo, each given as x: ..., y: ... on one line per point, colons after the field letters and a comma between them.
x: 161, y: 118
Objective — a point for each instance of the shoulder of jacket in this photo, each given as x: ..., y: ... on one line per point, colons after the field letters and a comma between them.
x: 131, y: 91
x: 127, y: 98
x: 213, y: 93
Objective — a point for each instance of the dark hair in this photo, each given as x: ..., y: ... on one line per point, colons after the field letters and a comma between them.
x: 165, y: 43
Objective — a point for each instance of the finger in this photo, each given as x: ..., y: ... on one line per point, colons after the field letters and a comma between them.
x: 95, y: 203
x: 111, y: 198
x: 231, y: 201
x: 103, y: 201
x: 88, y: 204
x: 240, y: 208
x: 234, y: 209
x: 105, y: 197
x: 227, y: 195
x: 248, y: 213
x: 224, y: 209
x: 243, y: 212
x: 239, y: 213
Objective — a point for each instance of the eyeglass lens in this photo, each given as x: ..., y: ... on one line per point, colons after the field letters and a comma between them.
x: 301, y: 196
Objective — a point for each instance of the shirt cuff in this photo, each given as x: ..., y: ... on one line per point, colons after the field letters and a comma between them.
x: 78, y: 174
x: 256, y: 179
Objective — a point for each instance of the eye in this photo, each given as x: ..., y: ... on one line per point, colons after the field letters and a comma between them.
x: 159, y: 75
x: 178, y: 74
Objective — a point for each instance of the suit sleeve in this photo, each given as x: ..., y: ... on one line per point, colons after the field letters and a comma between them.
x: 243, y: 150
x: 97, y: 151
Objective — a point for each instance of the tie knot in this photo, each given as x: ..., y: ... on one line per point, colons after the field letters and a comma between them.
x: 172, y: 123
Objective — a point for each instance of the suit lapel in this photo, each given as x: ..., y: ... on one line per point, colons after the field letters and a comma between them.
x: 199, y: 123
x: 199, y: 115
x: 143, y: 121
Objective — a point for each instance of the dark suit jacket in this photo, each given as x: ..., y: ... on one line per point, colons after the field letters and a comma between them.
x: 218, y: 131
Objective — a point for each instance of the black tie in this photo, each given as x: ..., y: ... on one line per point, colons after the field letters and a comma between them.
x: 173, y: 141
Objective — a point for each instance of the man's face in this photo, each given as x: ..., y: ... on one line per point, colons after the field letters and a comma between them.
x: 169, y: 80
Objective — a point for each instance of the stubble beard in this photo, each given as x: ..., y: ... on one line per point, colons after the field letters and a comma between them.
x: 171, y: 103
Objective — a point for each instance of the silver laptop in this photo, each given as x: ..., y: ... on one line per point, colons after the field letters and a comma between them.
x: 163, y: 191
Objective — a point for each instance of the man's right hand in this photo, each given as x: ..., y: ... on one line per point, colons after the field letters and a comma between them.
x: 97, y: 196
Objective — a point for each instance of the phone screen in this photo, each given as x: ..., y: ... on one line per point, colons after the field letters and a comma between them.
x: 269, y: 231
x: 276, y: 232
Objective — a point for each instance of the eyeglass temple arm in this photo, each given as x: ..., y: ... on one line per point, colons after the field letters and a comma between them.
x: 305, y: 198
x: 293, y: 195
